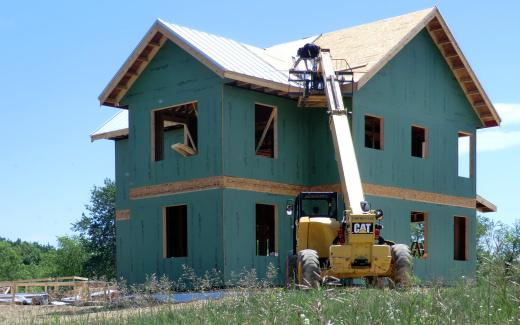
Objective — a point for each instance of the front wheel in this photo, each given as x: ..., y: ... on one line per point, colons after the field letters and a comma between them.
x: 309, y: 273
x: 291, y: 271
x: 401, y: 259
x: 375, y: 282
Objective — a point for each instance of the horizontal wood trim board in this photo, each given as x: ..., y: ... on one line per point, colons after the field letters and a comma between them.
x: 122, y: 214
x: 262, y: 186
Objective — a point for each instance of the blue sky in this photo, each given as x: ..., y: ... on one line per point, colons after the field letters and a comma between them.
x: 57, y: 56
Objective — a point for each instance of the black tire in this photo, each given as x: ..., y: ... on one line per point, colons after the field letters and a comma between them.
x: 401, y: 259
x: 310, y: 268
x: 291, y: 270
x: 375, y: 282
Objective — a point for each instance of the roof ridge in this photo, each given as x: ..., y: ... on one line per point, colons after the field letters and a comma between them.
x: 256, y: 55
x: 204, y: 32
x: 427, y: 11
x: 245, y: 46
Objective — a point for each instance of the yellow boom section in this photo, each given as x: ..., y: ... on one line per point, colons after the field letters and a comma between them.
x: 340, y: 131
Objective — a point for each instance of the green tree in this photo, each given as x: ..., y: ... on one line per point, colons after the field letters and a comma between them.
x: 498, y: 245
x: 485, y: 228
x: 97, y: 230
x: 10, y: 262
x: 70, y: 257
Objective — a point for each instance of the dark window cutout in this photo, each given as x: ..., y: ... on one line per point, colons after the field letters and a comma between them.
x: 265, y: 229
x: 419, y: 142
x: 418, y: 234
x: 176, y: 224
x: 176, y: 117
x: 373, y: 132
x: 460, y: 238
x: 265, y: 131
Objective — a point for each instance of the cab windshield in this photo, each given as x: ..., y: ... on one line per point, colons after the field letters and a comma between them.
x: 316, y: 206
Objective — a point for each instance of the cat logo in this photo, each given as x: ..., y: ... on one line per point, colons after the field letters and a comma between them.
x: 362, y: 228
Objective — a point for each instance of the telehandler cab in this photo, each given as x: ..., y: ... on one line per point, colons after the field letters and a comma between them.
x: 326, y: 244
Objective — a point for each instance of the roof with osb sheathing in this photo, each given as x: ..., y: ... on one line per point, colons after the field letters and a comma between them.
x: 367, y: 48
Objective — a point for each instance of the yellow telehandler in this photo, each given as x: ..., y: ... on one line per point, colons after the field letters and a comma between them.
x: 326, y: 243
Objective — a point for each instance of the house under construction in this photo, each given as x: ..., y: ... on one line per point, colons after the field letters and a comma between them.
x: 211, y: 142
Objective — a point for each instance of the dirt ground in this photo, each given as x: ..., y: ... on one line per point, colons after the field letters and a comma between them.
x: 19, y: 314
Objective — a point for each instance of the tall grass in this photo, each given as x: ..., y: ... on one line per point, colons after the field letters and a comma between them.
x: 492, y: 298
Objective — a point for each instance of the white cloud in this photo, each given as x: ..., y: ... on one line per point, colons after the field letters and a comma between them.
x: 505, y: 136
x: 496, y: 139
x: 509, y: 113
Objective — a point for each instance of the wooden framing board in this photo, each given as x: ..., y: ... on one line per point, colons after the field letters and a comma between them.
x: 262, y: 186
x: 122, y: 214
x: 132, y: 68
x: 484, y: 205
x: 80, y: 285
x: 445, y: 42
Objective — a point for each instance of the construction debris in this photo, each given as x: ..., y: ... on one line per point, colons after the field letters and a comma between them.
x: 59, y: 290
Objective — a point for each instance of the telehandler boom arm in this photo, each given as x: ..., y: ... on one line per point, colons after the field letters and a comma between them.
x: 340, y: 129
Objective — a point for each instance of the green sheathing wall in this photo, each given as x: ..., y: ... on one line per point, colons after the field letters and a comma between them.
x: 305, y: 150
x: 415, y: 88
x: 239, y: 138
x: 418, y: 88
x: 240, y: 233
x: 174, y: 77
x: 240, y: 237
x: 123, y: 173
x: 439, y: 265
x: 140, y: 239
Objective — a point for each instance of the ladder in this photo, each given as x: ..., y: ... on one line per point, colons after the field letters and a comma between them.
x: 340, y: 130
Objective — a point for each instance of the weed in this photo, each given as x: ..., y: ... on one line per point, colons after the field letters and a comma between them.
x: 490, y: 298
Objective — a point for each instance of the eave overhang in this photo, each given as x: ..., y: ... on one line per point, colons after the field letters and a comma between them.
x: 432, y: 22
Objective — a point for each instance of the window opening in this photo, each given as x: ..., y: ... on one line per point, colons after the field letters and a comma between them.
x: 176, y: 117
x: 265, y: 229
x: 373, y: 132
x: 176, y: 231
x: 265, y: 131
x: 460, y: 238
x: 464, y: 155
x: 419, y: 142
x: 418, y: 234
